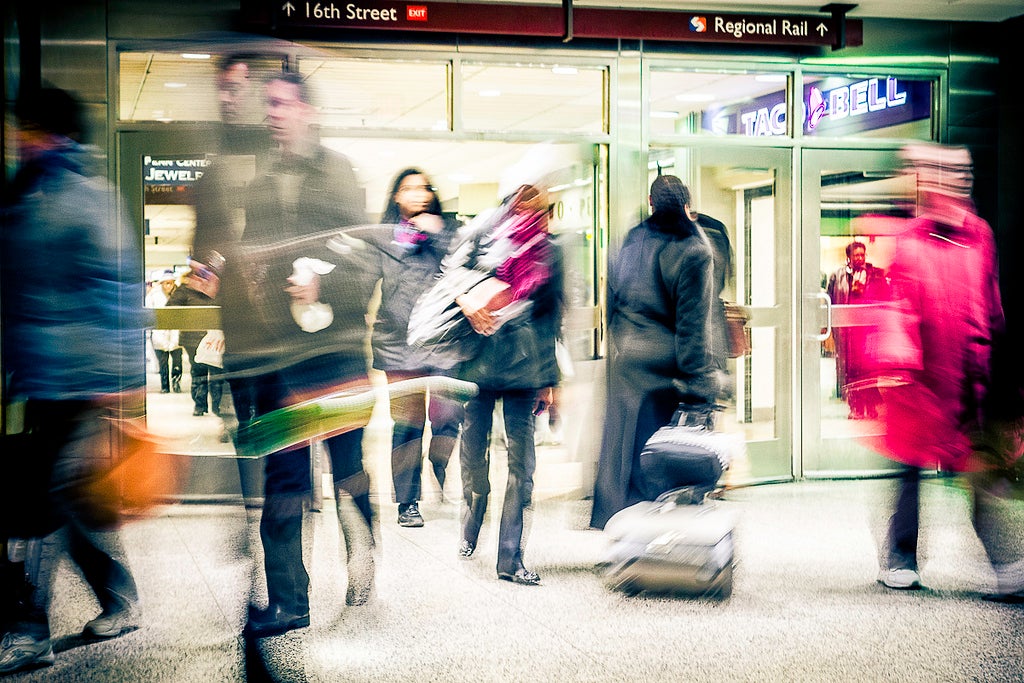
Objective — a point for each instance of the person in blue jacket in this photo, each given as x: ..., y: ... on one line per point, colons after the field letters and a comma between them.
x: 73, y: 352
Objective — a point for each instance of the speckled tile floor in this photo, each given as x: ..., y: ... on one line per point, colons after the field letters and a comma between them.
x: 805, y: 606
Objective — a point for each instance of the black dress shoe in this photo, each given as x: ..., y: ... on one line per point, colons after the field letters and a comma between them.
x: 522, y: 576
x: 466, y: 549
x: 273, y: 621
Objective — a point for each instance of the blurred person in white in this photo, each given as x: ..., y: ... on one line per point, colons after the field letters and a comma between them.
x: 166, y: 344
x: 73, y: 340
x: 934, y: 357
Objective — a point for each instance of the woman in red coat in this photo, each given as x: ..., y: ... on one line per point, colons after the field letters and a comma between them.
x: 937, y: 355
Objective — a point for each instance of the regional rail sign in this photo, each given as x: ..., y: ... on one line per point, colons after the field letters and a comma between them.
x: 551, y: 20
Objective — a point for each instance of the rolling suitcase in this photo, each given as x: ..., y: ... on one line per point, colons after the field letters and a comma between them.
x: 671, y: 545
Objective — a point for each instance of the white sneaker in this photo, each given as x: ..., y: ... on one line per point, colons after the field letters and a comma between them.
x: 900, y: 579
x: 19, y: 652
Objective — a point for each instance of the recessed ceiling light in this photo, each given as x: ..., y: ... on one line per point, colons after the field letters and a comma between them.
x: 194, y: 55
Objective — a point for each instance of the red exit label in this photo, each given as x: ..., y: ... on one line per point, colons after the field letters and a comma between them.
x: 416, y: 12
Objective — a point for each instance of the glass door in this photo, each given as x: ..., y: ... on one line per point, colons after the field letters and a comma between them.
x: 157, y: 172
x: 749, y: 192
x: 852, y: 201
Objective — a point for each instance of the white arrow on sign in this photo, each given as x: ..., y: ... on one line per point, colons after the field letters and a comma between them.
x: 822, y: 29
x: 288, y: 8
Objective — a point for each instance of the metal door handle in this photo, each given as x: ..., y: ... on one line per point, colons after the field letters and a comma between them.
x: 828, y: 316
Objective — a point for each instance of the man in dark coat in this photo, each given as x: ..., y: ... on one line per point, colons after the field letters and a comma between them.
x: 661, y: 292
x: 294, y: 320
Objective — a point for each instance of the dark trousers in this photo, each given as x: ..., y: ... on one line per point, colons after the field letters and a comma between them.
x: 206, y: 385
x: 905, y: 523
x: 992, y: 514
x: 410, y: 414
x: 62, y: 438
x: 517, y: 407
x: 170, y: 367
x: 287, y: 482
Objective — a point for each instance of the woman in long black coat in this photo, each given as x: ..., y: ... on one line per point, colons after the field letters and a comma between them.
x: 661, y: 292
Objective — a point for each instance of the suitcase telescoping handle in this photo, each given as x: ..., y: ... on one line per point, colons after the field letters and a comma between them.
x: 696, y: 415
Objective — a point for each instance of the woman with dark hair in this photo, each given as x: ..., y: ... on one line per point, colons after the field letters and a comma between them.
x: 410, y: 257
x: 660, y: 299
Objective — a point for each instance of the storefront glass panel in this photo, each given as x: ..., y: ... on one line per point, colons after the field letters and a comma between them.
x: 718, y: 103
x: 182, y: 86
x: 392, y: 94
x: 853, y: 200
x: 533, y: 97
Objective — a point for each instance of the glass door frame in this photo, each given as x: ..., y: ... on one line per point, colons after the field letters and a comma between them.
x: 813, y: 317
x: 781, y: 315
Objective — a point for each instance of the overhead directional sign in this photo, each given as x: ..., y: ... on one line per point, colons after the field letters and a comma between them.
x: 549, y: 21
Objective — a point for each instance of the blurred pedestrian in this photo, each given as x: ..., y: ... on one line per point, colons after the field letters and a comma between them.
x: 660, y: 300
x: 410, y: 259
x: 73, y: 338
x: 219, y: 205
x: 513, y: 353
x: 286, y: 344
x: 934, y: 355
x: 166, y: 343
x: 207, y: 386
x: 855, y: 282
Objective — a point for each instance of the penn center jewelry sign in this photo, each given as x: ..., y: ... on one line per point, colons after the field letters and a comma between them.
x: 554, y: 21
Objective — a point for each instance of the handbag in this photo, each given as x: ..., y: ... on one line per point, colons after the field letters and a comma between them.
x: 736, y: 319
x: 211, y: 349
x: 136, y: 473
x: 688, y: 452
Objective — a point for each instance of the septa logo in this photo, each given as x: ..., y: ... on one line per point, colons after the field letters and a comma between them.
x: 698, y: 24
x: 416, y: 12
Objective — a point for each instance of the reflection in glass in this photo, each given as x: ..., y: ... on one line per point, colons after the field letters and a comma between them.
x: 860, y: 217
x: 718, y: 103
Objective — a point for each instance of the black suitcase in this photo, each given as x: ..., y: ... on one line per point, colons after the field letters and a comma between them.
x: 671, y: 545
